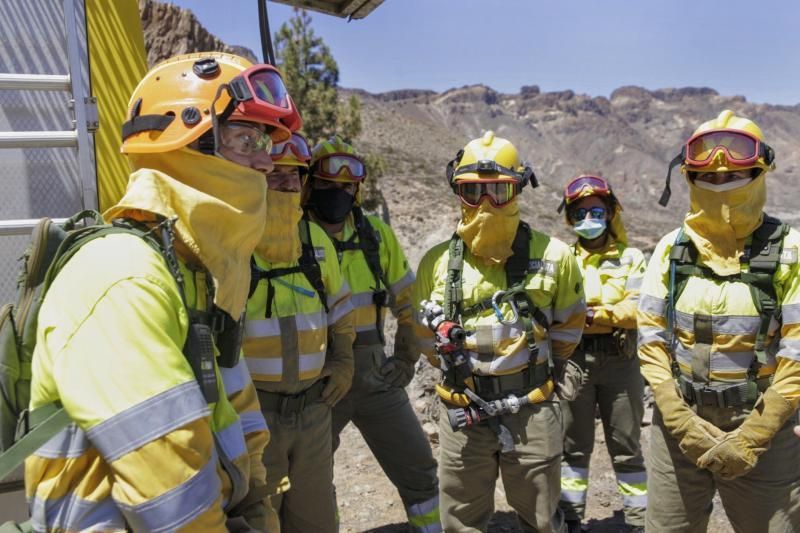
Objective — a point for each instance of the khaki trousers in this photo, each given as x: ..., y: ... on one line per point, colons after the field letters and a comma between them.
x: 393, y: 433
x: 765, y: 500
x: 299, y: 451
x: 614, y: 385
x: 470, y: 461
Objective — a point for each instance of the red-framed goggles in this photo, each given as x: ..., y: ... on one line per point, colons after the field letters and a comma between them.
x: 595, y: 184
x: 296, y: 144
x: 741, y: 148
x: 499, y: 192
x: 340, y: 165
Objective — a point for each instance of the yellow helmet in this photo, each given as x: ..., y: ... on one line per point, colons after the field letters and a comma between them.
x: 172, y: 105
x: 489, y: 158
x: 724, y: 144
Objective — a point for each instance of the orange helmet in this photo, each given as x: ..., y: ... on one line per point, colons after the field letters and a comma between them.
x: 179, y: 99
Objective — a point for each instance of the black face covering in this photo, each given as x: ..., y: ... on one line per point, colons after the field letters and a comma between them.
x: 331, y: 205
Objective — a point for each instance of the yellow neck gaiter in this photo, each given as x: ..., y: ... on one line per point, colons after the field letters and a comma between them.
x: 489, y: 231
x: 280, y: 242
x: 220, y: 211
x: 719, y: 221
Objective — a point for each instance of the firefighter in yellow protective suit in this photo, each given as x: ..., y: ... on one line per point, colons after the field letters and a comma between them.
x: 719, y: 342
x: 154, y: 445
x: 379, y: 276
x: 612, y: 274
x: 298, y: 346
x: 518, y: 294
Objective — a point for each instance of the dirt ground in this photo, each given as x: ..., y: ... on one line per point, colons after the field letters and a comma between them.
x: 369, y: 503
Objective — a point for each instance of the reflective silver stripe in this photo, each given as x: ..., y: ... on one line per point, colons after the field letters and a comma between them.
x: 231, y: 440
x: 634, y: 501
x: 148, y: 420
x: 632, y: 478
x: 652, y: 305
x: 362, y: 299
x: 566, y: 335
x: 731, y: 361
x: 424, y: 516
x: 721, y: 324
x: 70, y: 442
x: 312, y: 361
x: 634, y: 284
x: 571, y: 472
x: 791, y: 313
x: 790, y: 349
x: 423, y: 508
x: 235, y: 379
x: 339, y: 297
x: 70, y: 513
x: 507, y: 362
x: 311, y: 321
x: 573, y: 496
x: 340, y: 311
x: 402, y: 283
x: 562, y: 315
x: 178, y: 506
x: 267, y: 366
x: 253, y: 421
x: 683, y: 354
x: 651, y: 334
x: 266, y: 327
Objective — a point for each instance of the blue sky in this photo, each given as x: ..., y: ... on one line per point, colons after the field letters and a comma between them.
x: 590, y: 46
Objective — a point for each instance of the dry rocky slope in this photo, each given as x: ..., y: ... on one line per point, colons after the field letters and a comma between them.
x: 629, y: 138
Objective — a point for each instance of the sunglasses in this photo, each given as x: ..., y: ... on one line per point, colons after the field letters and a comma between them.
x: 597, y: 213
x: 498, y: 192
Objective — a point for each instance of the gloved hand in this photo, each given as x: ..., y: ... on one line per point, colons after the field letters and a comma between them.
x: 338, y: 368
x: 398, y: 371
x: 740, y: 449
x: 570, y: 378
x: 694, y: 434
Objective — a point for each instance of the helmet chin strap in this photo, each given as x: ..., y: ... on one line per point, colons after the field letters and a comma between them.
x: 667, y: 193
x: 217, y: 120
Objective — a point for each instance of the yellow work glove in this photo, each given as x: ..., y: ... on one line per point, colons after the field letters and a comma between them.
x: 398, y: 371
x: 338, y: 368
x: 694, y: 434
x: 740, y: 449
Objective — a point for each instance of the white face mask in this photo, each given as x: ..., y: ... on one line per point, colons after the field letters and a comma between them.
x: 722, y: 187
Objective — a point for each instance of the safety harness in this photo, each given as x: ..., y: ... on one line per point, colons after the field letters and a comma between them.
x: 370, y: 245
x: 307, y: 265
x: 762, y: 258
x: 517, y: 268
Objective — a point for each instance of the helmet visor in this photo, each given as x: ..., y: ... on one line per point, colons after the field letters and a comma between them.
x: 594, y: 184
x: 334, y: 166
x: 498, y: 192
x: 739, y: 147
x: 268, y: 87
x: 296, y: 145
x: 244, y: 139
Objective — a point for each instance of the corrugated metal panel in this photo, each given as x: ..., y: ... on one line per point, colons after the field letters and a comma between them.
x: 357, y: 9
x: 34, y: 182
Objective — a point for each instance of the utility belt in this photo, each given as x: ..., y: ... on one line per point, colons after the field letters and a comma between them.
x: 494, y: 387
x: 367, y: 338
x: 722, y: 395
x: 605, y: 343
x: 291, y: 404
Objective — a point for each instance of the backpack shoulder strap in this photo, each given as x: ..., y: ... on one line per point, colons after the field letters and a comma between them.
x: 46, y: 422
x: 369, y: 242
x: 309, y: 265
x: 517, y: 265
x: 453, y: 292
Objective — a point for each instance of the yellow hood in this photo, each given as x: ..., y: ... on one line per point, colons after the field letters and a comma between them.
x: 718, y: 222
x: 220, y: 209
x: 489, y: 231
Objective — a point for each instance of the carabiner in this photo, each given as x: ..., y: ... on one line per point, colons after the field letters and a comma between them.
x: 499, y: 314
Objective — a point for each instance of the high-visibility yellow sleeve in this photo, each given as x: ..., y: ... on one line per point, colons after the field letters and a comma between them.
x: 422, y: 289
x: 569, y: 308
x: 397, y: 271
x: 622, y: 314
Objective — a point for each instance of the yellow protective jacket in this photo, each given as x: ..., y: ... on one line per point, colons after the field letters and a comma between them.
x: 285, y: 346
x: 734, y: 323
x: 612, y: 278
x: 145, y: 450
x: 356, y: 271
x: 554, y: 285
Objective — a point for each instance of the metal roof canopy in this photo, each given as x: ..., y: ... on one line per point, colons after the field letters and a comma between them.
x: 352, y: 9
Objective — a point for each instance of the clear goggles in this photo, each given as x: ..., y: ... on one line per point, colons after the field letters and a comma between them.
x: 740, y: 148
x: 296, y: 145
x: 596, y: 213
x: 594, y: 185
x: 340, y: 166
x: 498, y: 192
x: 245, y: 139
